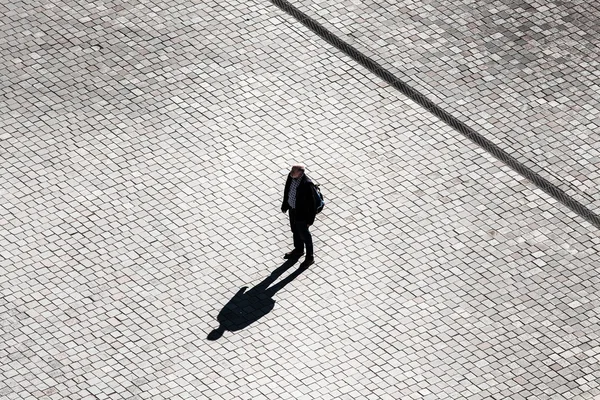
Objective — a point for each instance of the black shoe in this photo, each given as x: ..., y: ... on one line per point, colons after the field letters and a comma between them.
x: 308, y: 261
x: 293, y: 254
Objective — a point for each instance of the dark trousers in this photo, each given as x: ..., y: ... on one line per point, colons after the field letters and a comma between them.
x: 301, y: 233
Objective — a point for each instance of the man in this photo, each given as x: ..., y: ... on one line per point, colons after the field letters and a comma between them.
x: 298, y: 197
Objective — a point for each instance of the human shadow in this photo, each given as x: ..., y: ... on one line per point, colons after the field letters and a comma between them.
x: 249, y: 306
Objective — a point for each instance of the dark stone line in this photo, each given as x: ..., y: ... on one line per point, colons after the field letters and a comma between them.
x: 430, y: 106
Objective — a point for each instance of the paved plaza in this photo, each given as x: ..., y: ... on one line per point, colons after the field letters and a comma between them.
x: 144, y: 147
x: 524, y: 72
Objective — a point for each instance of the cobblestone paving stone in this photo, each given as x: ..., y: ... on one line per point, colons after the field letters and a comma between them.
x: 144, y: 150
x: 523, y: 73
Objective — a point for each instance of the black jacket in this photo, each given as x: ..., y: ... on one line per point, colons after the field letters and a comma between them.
x: 305, y: 200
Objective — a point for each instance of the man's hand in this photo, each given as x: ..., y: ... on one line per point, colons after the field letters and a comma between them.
x: 283, y: 210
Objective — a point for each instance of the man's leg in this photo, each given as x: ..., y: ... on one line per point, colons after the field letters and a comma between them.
x: 306, y: 237
x: 298, y: 242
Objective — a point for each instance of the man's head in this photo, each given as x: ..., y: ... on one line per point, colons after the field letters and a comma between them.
x: 297, y: 170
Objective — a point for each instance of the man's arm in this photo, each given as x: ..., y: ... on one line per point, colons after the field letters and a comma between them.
x: 284, y: 205
x: 312, y: 204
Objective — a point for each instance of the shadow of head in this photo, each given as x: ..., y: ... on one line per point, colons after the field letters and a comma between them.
x: 216, y: 333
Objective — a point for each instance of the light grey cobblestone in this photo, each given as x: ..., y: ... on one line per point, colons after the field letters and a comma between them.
x: 144, y: 149
x: 524, y: 74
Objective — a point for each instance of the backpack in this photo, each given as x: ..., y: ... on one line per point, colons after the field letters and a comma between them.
x: 318, y: 196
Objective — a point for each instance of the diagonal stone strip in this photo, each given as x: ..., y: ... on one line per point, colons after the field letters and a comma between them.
x: 446, y: 117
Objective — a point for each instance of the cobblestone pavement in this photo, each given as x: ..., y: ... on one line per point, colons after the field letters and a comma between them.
x: 523, y: 73
x: 144, y: 151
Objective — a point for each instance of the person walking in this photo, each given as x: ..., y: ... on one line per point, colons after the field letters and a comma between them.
x: 298, y: 198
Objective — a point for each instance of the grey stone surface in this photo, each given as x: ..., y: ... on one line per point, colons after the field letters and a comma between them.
x: 522, y: 73
x: 144, y: 150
